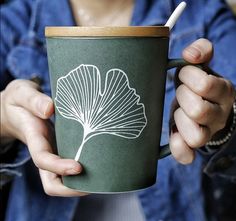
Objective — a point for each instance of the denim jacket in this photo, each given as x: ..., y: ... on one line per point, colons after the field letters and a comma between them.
x: 178, y: 194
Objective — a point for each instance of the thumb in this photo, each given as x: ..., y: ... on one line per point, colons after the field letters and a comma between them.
x: 200, y: 51
x: 25, y: 94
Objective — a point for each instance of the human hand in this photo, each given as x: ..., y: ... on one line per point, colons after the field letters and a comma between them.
x: 204, y: 103
x: 25, y: 113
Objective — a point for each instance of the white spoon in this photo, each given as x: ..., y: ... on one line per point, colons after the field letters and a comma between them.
x: 175, y: 15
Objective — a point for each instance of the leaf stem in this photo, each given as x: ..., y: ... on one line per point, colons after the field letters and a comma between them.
x: 77, y: 156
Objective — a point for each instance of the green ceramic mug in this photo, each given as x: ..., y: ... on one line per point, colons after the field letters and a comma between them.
x: 108, y: 86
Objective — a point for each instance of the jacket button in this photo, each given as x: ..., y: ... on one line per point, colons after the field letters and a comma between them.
x: 38, y: 80
x: 223, y: 163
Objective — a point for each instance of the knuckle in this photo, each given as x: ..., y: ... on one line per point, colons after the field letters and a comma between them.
x: 63, y: 172
x: 199, y: 111
x: 19, y: 84
x: 230, y: 89
x: 200, y: 137
x: 206, y: 85
x: 195, y: 112
x: 39, y: 160
x: 32, y: 100
x: 12, y: 91
x: 13, y: 83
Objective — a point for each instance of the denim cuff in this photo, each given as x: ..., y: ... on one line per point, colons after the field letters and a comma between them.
x: 221, y: 161
x: 10, y: 165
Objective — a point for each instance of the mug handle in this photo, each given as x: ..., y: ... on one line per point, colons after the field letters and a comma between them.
x: 178, y: 63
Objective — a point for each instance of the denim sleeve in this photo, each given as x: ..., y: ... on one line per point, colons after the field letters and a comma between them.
x: 11, y: 162
x: 14, y: 21
x: 220, y: 26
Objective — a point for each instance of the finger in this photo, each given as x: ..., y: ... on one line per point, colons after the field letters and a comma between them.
x: 200, y: 51
x: 210, y: 87
x: 180, y: 150
x: 43, y: 157
x: 199, y: 110
x: 53, y: 186
x: 193, y: 134
x: 26, y: 95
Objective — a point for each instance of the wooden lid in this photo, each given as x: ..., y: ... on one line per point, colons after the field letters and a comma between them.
x: 131, y: 31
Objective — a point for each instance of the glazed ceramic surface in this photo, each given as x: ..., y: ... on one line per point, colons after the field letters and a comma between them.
x: 108, y: 93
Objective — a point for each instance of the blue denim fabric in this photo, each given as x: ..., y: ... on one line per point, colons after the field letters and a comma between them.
x: 178, y: 193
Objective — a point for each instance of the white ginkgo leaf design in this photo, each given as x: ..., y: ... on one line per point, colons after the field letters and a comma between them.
x: 115, y: 111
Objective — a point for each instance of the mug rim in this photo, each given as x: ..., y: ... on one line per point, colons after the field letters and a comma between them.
x: 114, y: 31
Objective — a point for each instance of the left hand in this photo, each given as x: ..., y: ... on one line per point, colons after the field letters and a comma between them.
x: 204, y: 104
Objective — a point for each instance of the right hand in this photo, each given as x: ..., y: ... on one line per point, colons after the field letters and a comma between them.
x: 25, y: 113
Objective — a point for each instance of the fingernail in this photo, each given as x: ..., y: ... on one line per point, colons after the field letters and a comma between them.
x: 44, y: 106
x: 193, y: 52
x: 74, y: 170
x: 47, y: 109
